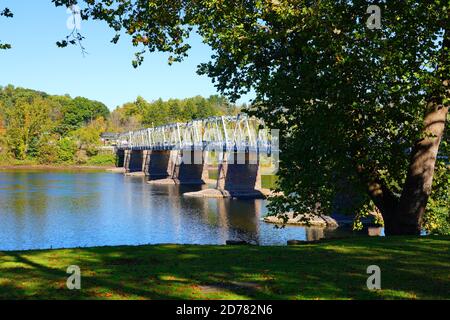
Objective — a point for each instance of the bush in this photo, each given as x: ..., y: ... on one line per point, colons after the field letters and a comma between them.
x: 437, y: 218
x: 47, y: 153
x: 102, y: 160
x: 66, y: 149
x: 81, y: 157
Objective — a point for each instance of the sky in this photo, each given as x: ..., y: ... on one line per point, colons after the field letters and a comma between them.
x: 104, y: 74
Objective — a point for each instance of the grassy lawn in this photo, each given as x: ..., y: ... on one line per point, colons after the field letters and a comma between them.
x: 412, y: 268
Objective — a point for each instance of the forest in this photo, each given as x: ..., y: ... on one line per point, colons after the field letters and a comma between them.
x: 39, y: 128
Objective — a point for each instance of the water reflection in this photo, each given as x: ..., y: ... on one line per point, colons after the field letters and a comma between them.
x: 63, y: 209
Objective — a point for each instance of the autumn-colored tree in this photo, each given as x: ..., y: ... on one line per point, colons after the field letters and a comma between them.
x: 26, y: 123
x: 38, y: 126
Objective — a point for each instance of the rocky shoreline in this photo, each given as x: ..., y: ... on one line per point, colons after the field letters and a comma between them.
x: 303, y: 220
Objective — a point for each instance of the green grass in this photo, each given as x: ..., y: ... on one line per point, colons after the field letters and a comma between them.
x: 411, y: 268
x: 269, y: 181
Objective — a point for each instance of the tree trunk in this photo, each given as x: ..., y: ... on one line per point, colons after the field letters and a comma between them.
x: 407, y: 218
x: 417, y: 188
x: 387, y: 204
x: 404, y: 216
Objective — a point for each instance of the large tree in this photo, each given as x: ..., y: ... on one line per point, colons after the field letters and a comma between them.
x: 362, y: 111
x: 27, y: 121
x: 78, y: 112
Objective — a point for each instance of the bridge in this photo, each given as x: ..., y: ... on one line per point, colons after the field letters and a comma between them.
x: 181, y: 153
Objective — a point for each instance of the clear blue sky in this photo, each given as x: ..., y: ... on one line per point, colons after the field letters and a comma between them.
x: 105, y: 74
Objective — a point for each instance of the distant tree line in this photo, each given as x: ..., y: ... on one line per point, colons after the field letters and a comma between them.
x: 142, y: 113
x: 42, y: 128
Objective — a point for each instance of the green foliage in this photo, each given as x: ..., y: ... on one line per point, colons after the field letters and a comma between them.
x: 79, y: 112
x: 134, y: 115
x: 66, y: 149
x: 88, y: 137
x: 437, y: 218
x: 437, y: 215
x: 81, y: 157
x: 51, y: 129
x: 47, y: 151
x: 26, y: 122
x: 8, y: 14
x: 102, y: 160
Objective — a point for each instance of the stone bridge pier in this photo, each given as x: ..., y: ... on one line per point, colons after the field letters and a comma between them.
x: 239, y: 176
x: 177, y: 167
x: 159, y: 164
x: 191, y: 167
x: 120, y: 158
x: 133, y: 161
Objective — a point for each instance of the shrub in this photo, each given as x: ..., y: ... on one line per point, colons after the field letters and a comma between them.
x: 66, y: 149
x: 81, y: 157
x: 47, y: 152
x: 102, y: 160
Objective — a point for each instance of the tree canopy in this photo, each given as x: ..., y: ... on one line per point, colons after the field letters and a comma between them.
x: 141, y: 113
x: 34, y: 122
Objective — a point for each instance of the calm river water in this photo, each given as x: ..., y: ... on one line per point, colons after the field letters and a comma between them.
x: 76, y: 209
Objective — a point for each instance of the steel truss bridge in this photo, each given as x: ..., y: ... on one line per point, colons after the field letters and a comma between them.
x: 239, y: 133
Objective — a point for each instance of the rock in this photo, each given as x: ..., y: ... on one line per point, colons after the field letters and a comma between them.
x: 216, y: 193
x: 207, y: 193
x: 135, y: 174
x: 161, y: 181
x: 116, y: 170
x: 236, y: 242
x: 304, y: 220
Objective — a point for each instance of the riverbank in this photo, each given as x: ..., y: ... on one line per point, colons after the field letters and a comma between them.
x: 411, y: 268
x: 98, y: 162
x: 50, y: 167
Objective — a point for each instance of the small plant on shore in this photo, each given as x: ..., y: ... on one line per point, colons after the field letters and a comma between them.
x: 102, y: 160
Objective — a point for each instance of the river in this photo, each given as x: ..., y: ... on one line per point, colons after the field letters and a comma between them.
x: 64, y: 209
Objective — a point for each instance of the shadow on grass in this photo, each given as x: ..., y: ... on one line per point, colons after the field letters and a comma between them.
x: 411, y: 268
